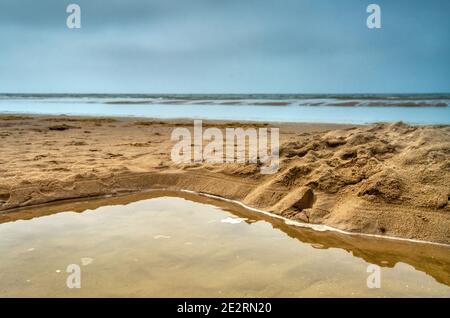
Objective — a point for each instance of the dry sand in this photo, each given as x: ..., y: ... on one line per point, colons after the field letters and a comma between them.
x: 385, y: 179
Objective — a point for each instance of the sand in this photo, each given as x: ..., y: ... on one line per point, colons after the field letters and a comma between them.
x: 384, y: 179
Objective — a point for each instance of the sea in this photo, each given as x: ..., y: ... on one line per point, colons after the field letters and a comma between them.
x: 299, y: 108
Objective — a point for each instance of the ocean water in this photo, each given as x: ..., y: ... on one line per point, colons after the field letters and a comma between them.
x: 353, y: 109
x: 169, y: 245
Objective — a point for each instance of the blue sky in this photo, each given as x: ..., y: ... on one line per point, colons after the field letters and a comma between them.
x: 233, y: 46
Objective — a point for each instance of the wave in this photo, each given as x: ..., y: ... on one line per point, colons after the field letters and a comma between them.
x: 281, y: 100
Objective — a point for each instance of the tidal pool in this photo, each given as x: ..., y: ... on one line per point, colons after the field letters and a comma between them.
x: 164, y: 244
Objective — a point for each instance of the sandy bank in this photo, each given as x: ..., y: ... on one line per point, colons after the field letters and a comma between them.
x: 385, y: 179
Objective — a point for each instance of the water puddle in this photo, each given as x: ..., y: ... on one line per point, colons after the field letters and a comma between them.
x: 164, y: 244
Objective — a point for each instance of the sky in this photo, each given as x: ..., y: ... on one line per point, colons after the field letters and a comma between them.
x: 224, y: 46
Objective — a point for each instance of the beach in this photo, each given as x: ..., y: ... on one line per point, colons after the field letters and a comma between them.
x: 382, y: 179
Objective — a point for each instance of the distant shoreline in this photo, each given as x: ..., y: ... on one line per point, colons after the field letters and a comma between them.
x: 431, y: 112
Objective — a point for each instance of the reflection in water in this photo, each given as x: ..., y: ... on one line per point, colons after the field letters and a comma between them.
x: 179, y: 244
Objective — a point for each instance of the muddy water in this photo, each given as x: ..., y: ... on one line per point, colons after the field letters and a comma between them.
x: 170, y: 244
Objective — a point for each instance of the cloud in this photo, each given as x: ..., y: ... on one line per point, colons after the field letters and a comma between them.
x: 224, y: 46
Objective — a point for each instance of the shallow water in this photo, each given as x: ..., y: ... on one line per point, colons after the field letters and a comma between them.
x: 166, y: 244
x: 289, y: 113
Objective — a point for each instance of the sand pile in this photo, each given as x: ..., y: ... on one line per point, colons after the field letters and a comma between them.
x: 387, y: 179
x: 390, y: 179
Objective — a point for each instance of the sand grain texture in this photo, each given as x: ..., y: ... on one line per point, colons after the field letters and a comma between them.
x: 386, y: 179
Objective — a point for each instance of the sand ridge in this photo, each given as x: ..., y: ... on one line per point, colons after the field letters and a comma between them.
x: 384, y: 179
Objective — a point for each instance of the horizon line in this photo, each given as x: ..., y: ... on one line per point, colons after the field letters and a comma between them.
x: 109, y: 93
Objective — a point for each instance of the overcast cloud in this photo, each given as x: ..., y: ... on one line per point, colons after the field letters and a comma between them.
x: 228, y: 46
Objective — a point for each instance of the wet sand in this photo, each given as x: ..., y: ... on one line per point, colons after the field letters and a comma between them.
x: 384, y: 179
